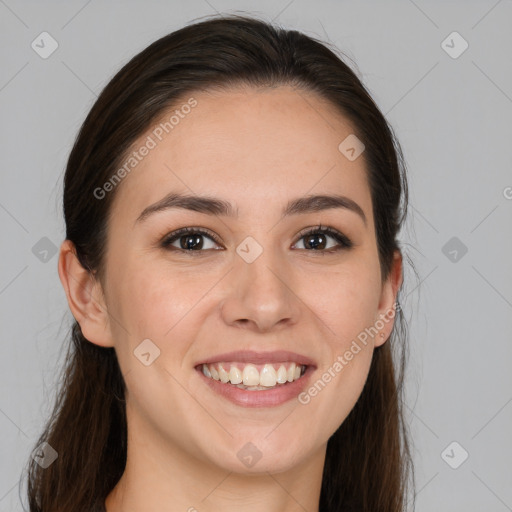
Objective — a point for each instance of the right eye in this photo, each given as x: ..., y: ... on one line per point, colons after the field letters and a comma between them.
x: 189, y: 240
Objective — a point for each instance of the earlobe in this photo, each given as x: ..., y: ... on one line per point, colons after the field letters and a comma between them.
x: 387, y: 306
x: 85, y: 297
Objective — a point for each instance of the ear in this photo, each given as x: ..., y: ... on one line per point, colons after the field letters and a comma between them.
x: 387, y: 304
x: 85, y: 297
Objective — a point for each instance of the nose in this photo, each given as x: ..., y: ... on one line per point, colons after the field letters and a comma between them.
x: 262, y: 295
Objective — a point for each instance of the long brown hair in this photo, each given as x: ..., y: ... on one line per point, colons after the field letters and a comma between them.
x: 368, y: 461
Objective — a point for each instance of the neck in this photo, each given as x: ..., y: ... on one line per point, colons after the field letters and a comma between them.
x: 160, y: 476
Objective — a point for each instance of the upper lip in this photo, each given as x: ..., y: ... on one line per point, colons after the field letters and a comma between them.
x: 251, y: 356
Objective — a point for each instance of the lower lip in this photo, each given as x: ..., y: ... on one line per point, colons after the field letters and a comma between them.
x: 259, y: 398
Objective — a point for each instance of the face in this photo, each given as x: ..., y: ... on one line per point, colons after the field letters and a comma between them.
x: 250, y: 287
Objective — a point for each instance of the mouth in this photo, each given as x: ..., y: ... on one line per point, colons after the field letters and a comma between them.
x: 253, y: 379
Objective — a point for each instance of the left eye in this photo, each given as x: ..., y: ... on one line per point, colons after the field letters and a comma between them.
x: 313, y: 236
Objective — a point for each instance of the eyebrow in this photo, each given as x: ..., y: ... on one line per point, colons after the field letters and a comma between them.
x: 214, y: 206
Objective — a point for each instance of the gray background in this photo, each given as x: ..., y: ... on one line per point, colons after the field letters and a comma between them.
x: 453, y: 119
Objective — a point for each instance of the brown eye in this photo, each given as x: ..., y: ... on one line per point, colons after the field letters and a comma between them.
x: 316, y: 239
x: 189, y: 240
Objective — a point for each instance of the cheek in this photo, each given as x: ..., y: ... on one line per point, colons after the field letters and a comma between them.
x: 345, y: 301
x: 334, y: 391
x: 163, y: 303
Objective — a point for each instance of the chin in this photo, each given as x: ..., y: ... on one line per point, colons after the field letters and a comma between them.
x: 257, y: 457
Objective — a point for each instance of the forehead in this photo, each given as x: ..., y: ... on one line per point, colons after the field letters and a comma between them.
x: 252, y: 147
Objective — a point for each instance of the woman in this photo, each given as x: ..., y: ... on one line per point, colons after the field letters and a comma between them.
x: 232, y: 204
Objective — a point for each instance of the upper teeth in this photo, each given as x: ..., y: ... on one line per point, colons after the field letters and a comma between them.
x: 249, y: 375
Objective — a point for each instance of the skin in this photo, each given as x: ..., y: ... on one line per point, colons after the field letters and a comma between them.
x: 256, y: 148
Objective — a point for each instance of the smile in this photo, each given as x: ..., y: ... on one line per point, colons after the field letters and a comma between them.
x: 254, y: 377
x: 254, y: 396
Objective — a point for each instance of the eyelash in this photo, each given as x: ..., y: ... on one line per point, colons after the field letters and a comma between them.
x: 344, y: 241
